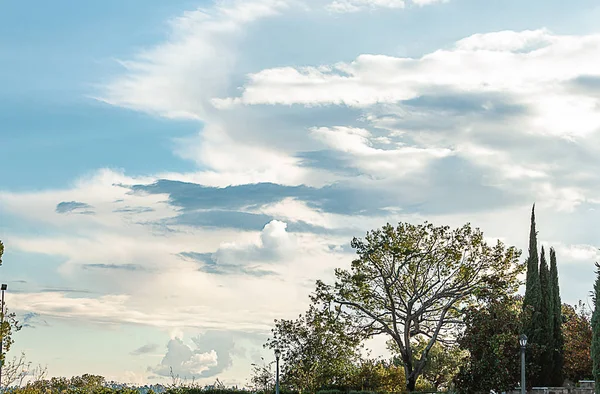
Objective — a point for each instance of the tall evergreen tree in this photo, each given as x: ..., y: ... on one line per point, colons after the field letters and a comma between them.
x: 531, y: 308
x: 547, y: 321
x: 595, y: 350
x: 558, y: 356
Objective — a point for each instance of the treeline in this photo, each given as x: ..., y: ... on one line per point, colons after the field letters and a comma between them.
x: 447, y: 303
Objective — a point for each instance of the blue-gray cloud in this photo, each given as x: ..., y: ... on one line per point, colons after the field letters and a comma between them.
x: 125, y: 267
x: 134, y: 210
x: 222, y: 219
x: 334, y: 198
x: 241, y: 220
x: 330, y: 160
x: 32, y: 320
x: 492, y: 105
x: 145, y: 349
x: 74, y: 207
x: 64, y: 290
x: 586, y: 84
x: 209, y: 264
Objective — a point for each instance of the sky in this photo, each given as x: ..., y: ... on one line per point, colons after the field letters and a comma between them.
x: 176, y: 175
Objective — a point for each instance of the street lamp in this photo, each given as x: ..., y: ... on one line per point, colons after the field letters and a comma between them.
x: 523, y: 343
x: 2, y: 288
x: 277, y: 355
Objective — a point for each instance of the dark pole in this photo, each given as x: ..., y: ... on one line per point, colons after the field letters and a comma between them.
x: 523, y: 343
x: 277, y: 354
x: 2, y: 335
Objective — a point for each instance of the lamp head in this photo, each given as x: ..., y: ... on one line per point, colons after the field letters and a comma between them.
x: 277, y: 353
x: 523, y: 340
x: 4, y: 286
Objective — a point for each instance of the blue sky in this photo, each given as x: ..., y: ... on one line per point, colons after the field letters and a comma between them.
x: 168, y: 166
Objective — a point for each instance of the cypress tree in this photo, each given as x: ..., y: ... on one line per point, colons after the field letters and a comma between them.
x: 558, y: 357
x: 531, y: 308
x: 595, y: 350
x: 532, y: 282
x: 547, y: 321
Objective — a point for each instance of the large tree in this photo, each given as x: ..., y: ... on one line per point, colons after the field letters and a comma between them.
x: 547, y: 322
x: 317, y: 350
x: 411, y: 281
x: 557, y: 323
x: 595, y: 351
x: 491, y: 337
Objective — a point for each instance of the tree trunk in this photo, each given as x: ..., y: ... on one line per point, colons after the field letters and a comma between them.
x: 411, y: 381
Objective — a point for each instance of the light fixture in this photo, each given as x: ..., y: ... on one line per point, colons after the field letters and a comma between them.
x: 4, y: 286
x: 523, y: 340
x: 277, y: 353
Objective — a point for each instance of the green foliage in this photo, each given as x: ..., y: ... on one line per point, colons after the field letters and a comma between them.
x: 331, y: 391
x: 532, y: 281
x: 8, y: 326
x: 443, y: 364
x: 547, y: 320
x: 557, y: 324
x: 413, y: 280
x: 85, y: 384
x: 263, y: 377
x: 378, y: 376
x: 577, y: 331
x: 491, y: 339
x: 595, y: 350
x: 317, y: 351
x: 200, y: 390
x: 534, y: 321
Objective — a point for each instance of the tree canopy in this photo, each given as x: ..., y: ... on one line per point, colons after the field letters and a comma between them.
x: 317, y: 350
x: 577, y: 331
x: 412, y: 281
x: 491, y: 337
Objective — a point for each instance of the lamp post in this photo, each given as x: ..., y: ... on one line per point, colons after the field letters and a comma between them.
x: 523, y: 343
x: 277, y: 355
x: 2, y: 288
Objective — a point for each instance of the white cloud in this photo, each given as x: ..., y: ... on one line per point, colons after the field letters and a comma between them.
x: 273, y: 245
x: 577, y: 253
x: 176, y: 79
x: 357, y: 5
x: 428, y: 2
x: 380, y: 162
x: 184, y: 362
x: 533, y: 66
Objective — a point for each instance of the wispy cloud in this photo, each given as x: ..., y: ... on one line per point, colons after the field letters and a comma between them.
x: 145, y: 349
x: 74, y: 207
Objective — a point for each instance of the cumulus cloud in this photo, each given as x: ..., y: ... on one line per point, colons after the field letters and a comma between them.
x: 577, y: 253
x: 273, y: 244
x: 184, y: 362
x: 396, y: 160
x: 509, y: 62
